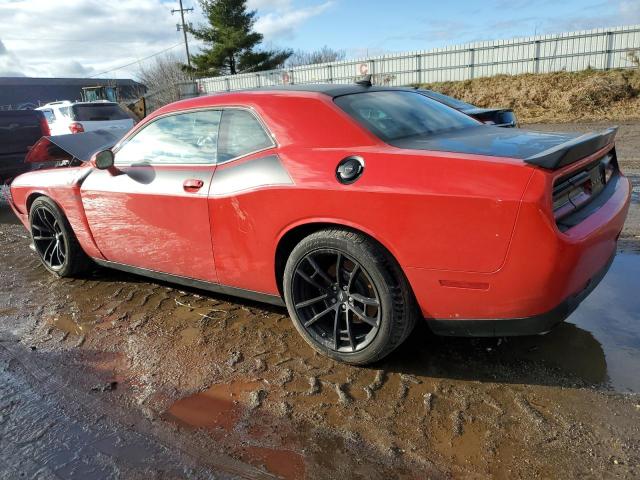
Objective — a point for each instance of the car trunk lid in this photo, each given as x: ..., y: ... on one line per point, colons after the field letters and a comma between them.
x: 541, y: 149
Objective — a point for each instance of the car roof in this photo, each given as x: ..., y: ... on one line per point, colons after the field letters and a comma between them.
x: 331, y: 89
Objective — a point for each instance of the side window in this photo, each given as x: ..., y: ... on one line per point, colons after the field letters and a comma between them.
x: 240, y: 134
x: 181, y: 138
x: 48, y: 114
x: 65, y: 111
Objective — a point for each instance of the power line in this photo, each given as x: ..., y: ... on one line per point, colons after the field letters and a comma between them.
x: 137, y: 61
x: 184, y: 29
x: 66, y: 40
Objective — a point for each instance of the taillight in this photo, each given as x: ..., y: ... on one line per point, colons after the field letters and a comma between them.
x: 76, y: 127
x: 44, y: 127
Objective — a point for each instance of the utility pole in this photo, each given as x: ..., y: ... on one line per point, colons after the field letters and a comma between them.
x: 184, y: 28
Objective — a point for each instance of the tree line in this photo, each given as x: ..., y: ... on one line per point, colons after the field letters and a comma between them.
x: 232, y: 46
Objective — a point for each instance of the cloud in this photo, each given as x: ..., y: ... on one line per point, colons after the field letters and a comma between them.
x: 9, y: 63
x: 283, y: 23
x: 80, y: 38
x: 268, y: 4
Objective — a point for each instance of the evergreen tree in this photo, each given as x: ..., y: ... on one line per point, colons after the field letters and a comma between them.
x: 231, y: 42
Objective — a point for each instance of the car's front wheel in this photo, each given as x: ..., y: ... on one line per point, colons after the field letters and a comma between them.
x: 54, y: 240
x: 347, y: 296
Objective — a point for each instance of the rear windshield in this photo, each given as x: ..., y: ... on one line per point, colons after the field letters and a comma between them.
x: 395, y: 115
x: 98, y: 112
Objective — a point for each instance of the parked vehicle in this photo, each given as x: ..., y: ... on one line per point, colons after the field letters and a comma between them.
x: 19, y: 130
x: 500, y: 117
x: 66, y: 117
x: 361, y: 208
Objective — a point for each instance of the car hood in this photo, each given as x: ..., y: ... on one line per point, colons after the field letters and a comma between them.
x: 544, y: 149
x: 79, y: 146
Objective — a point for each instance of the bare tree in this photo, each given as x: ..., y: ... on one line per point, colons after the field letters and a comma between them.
x: 323, y: 55
x: 162, y: 77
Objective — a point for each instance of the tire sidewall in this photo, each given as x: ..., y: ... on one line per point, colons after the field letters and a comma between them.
x: 375, y: 267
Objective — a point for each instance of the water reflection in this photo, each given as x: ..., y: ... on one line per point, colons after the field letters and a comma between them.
x: 599, y: 345
x: 612, y: 314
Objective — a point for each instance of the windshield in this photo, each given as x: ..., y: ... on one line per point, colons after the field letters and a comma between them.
x: 98, y: 112
x: 393, y: 115
x: 447, y: 100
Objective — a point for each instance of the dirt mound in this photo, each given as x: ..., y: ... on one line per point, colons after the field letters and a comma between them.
x: 554, y: 97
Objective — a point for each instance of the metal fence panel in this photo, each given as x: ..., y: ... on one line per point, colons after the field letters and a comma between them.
x: 599, y: 49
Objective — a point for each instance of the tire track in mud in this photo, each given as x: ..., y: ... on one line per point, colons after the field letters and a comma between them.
x: 405, y: 415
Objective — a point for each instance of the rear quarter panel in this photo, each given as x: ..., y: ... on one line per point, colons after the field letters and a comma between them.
x: 431, y: 210
x: 424, y: 220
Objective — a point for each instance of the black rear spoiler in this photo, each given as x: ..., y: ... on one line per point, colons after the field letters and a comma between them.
x: 568, y: 152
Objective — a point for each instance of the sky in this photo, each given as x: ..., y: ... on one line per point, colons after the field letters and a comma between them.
x: 111, y: 39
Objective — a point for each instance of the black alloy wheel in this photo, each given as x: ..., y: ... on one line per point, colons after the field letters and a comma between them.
x: 347, y: 296
x: 336, y: 301
x: 54, y: 240
x: 48, y: 237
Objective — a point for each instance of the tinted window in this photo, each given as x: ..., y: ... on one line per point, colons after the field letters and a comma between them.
x: 98, y: 112
x: 240, y: 134
x: 395, y: 115
x: 65, y: 111
x: 183, y: 138
x: 49, y: 116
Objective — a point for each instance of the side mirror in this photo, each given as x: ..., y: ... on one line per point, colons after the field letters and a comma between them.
x: 103, y: 160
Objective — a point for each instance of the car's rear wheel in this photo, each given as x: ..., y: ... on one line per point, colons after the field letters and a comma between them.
x: 347, y: 296
x: 54, y: 240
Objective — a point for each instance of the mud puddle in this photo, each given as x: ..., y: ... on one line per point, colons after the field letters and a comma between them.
x: 611, y: 315
x: 224, y: 379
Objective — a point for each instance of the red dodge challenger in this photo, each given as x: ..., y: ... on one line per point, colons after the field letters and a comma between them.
x: 361, y: 208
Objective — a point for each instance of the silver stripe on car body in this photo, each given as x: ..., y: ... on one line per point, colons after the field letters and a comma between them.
x: 146, y: 179
x: 261, y: 172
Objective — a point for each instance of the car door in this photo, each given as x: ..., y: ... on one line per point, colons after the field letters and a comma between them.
x: 153, y: 213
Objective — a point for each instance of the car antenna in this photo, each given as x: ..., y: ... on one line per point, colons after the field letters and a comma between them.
x: 365, y: 82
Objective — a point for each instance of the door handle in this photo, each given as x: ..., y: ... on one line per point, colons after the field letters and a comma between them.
x: 192, y: 185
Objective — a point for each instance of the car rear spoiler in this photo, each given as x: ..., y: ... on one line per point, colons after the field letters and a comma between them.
x: 79, y: 146
x: 573, y: 150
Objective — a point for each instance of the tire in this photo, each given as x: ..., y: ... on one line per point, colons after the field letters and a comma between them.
x: 54, y: 240
x: 368, y: 303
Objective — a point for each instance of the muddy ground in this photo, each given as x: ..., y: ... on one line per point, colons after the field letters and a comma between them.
x: 114, y: 376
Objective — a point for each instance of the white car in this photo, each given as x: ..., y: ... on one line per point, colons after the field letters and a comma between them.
x: 67, y: 117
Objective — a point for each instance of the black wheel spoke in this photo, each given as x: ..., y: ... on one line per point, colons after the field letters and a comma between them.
x: 319, y: 271
x: 313, y: 301
x: 336, y: 330
x: 364, y: 317
x: 338, y: 273
x: 352, y: 276
x: 45, y: 221
x: 318, y: 316
x: 59, y: 255
x: 310, y: 280
x: 369, y: 301
x: 49, y: 248
x: 40, y: 238
x: 349, y: 330
x: 40, y: 228
x: 340, y: 309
